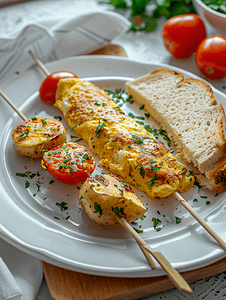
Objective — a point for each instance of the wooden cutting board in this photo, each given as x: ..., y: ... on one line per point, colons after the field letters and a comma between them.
x: 69, y: 285
x: 65, y: 284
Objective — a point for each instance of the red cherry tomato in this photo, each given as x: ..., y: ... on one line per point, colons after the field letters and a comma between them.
x: 211, y: 57
x: 182, y: 34
x: 48, y: 88
x: 69, y: 163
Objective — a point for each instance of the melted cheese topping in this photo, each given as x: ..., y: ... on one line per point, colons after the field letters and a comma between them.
x: 124, y: 147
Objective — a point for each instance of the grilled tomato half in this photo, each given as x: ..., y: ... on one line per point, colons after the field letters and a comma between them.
x: 69, y: 163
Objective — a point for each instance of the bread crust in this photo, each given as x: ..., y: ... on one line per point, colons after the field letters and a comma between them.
x: 213, y: 171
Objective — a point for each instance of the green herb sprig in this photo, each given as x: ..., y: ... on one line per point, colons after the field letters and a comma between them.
x: 144, y: 14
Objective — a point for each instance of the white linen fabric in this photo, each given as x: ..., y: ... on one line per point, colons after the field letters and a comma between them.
x: 9, y: 288
x: 20, y: 274
x: 78, y: 35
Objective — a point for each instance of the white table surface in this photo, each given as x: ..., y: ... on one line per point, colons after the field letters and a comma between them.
x: 139, y: 46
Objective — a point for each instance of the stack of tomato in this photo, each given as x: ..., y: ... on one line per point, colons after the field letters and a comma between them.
x: 185, y: 34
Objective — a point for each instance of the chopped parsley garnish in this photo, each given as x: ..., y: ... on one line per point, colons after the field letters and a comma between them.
x: 116, y: 210
x: 142, y: 171
x: 98, y: 209
x: 24, y: 133
x: 96, y: 103
x: 63, y: 205
x: 66, y: 160
x: 27, y: 184
x: 86, y: 156
x: 207, y: 202
x: 119, y: 96
x: 78, y: 140
x: 62, y: 166
x: 181, y: 172
x: 148, y: 128
x: 140, y: 122
x: 155, y: 169
x: 99, y: 127
x: 138, y: 230
x: 44, y: 122
x: 137, y: 139
x: 190, y: 173
x: 25, y: 174
x: 178, y: 220
x: 131, y: 115
x: 143, y: 217
x: 156, y: 221
x: 74, y: 126
x: 141, y: 107
x: 38, y: 186
x: 152, y: 181
x: 58, y: 118
x: 121, y: 191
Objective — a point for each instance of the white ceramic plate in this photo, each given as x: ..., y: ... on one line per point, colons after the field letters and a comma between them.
x: 27, y: 215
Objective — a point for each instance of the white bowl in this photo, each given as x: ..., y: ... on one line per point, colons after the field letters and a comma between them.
x: 215, y: 19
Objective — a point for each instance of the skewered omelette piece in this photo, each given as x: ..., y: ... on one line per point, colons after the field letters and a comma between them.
x: 125, y: 148
x: 105, y: 195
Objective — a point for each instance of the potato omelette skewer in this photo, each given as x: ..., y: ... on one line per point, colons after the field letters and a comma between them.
x: 126, y: 208
x: 125, y: 148
x: 34, y: 150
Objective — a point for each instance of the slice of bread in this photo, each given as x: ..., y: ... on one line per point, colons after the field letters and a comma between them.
x: 187, y: 110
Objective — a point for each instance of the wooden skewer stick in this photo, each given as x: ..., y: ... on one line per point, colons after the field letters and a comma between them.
x: 12, y: 105
x: 146, y: 254
x: 174, y: 276
x: 178, y: 197
x: 40, y: 64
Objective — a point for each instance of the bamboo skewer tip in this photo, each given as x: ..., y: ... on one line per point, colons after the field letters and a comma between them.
x: 173, y: 275
x: 217, y: 238
x: 39, y: 63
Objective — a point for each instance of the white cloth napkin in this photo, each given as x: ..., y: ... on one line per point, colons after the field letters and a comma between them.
x: 9, y: 288
x: 20, y: 274
x: 81, y: 34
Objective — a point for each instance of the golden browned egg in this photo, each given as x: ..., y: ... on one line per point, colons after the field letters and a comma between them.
x: 124, y: 147
x: 105, y: 196
x: 32, y: 136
